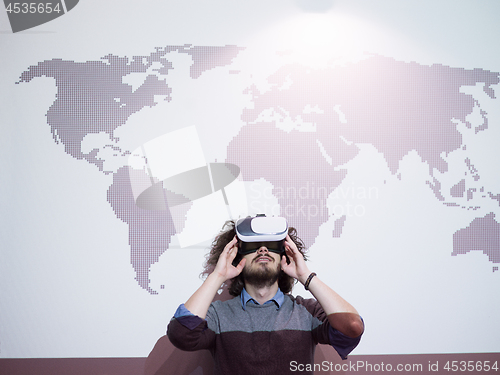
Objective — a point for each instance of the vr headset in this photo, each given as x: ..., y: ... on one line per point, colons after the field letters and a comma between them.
x: 255, y: 232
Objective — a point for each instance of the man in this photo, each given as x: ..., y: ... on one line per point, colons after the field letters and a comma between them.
x: 263, y: 330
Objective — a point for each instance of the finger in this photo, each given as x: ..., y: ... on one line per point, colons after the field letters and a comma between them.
x: 230, y: 244
x: 231, y: 254
x: 241, y: 264
x: 287, y: 246
x: 289, y: 249
x: 289, y: 242
x: 291, y: 257
x: 232, y: 249
x: 284, y: 264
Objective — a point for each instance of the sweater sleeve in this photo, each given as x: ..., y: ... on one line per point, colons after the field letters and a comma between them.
x: 324, y: 333
x: 190, y: 332
x: 341, y: 343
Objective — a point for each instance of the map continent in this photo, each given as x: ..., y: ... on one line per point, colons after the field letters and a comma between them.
x: 93, y: 98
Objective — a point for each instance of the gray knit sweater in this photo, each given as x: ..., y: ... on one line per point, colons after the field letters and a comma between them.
x: 262, y: 339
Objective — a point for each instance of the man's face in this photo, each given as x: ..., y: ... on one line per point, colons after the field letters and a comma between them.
x: 262, y: 267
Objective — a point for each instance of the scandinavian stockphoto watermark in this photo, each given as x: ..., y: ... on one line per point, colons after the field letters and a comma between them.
x: 309, y: 201
x: 25, y: 15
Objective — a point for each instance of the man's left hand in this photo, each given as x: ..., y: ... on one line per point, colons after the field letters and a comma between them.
x: 297, y: 267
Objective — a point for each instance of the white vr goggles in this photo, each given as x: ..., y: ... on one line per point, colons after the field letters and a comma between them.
x: 254, y: 232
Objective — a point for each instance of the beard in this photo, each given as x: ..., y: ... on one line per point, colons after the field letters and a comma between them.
x: 260, y: 276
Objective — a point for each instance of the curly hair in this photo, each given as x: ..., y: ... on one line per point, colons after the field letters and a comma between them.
x: 237, y: 283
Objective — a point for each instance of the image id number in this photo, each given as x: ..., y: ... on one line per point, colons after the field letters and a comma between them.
x: 32, y: 8
x: 471, y: 366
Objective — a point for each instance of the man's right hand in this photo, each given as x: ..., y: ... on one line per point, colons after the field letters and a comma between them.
x: 199, y: 302
x: 224, y: 268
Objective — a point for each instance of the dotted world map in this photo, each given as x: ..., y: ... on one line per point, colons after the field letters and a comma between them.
x: 397, y: 107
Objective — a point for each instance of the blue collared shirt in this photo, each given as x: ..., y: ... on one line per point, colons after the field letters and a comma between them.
x: 278, y: 299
